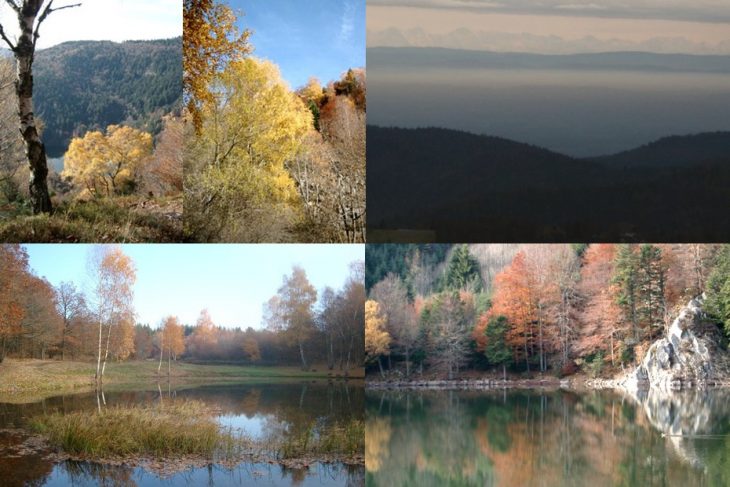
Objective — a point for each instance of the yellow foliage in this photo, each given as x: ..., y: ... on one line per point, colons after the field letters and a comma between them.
x: 255, y: 127
x: 377, y: 339
x: 108, y: 164
x: 210, y: 38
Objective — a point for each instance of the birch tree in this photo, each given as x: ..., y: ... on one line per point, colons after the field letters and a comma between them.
x: 113, y: 276
x: 30, y: 15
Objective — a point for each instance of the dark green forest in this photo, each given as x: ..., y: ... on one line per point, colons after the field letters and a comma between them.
x: 84, y: 85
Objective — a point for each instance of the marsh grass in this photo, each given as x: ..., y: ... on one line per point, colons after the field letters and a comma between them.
x: 177, y: 428
x: 346, y: 438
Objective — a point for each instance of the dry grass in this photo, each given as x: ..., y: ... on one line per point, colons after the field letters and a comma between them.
x: 177, y: 428
x: 121, y: 219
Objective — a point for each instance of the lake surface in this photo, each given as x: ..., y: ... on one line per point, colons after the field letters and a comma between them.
x: 261, y: 410
x: 532, y: 438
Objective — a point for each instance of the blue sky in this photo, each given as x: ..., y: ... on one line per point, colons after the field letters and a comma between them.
x: 113, y: 20
x: 232, y: 281
x: 321, y: 38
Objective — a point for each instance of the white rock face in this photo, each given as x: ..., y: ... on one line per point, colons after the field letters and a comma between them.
x: 689, y: 356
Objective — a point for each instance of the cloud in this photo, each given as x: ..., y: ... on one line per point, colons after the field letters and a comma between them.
x: 347, y: 26
x: 689, y: 10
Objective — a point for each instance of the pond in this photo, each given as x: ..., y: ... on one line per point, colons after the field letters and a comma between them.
x: 261, y: 410
x: 558, y: 438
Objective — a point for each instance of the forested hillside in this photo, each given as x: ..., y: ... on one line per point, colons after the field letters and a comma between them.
x: 85, y: 85
x: 467, y: 187
x: 547, y: 308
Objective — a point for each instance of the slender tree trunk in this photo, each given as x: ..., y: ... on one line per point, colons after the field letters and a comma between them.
x: 168, y: 364
x: 35, y: 151
x: 98, y: 358
x: 106, y: 351
x: 301, y: 354
x: 408, y: 361
x: 380, y: 365
x: 504, y: 372
x: 331, y: 356
x: 159, y: 366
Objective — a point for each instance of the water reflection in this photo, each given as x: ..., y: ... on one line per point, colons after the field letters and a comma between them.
x: 262, y: 410
x: 548, y: 439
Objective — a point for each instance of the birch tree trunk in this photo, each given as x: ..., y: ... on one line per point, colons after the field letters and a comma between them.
x: 29, y: 21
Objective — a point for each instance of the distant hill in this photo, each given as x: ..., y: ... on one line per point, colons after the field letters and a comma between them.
x: 471, y: 188
x: 674, y: 151
x: 82, y: 85
x: 421, y: 57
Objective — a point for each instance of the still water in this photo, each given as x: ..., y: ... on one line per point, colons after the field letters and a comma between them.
x: 261, y: 410
x: 560, y: 438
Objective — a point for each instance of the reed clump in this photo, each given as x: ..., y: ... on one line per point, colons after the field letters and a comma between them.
x: 175, y: 428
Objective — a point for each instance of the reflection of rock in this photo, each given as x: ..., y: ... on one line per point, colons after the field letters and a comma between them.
x: 689, y: 356
x: 686, y: 417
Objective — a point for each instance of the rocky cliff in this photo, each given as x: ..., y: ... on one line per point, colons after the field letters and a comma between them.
x: 689, y: 356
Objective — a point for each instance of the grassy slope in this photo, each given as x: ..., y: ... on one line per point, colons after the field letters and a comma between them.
x: 22, y: 377
x: 127, y: 219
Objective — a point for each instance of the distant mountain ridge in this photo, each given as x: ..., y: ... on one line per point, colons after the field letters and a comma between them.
x: 81, y: 85
x: 673, y: 151
x: 443, y: 58
x: 473, y: 188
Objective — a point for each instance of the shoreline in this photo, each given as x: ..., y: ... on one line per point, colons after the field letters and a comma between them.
x: 579, y: 384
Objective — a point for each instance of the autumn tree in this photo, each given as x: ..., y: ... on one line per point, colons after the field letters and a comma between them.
x: 237, y: 184
x: 210, y: 40
x: 108, y: 164
x: 377, y: 339
x: 72, y: 309
x: 251, y: 349
x: 13, y: 272
x: 448, y: 319
x: 171, y: 339
x: 203, y: 339
x: 290, y: 311
x: 513, y: 298
x: 164, y: 172
x: 11, y: 143
x: 401, y: 324
x: 30, y: 15
x: 113, y: 275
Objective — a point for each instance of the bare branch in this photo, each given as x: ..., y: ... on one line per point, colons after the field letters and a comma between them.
x: 5, y: 38
x: 46, y: 12
x: 13, y: 5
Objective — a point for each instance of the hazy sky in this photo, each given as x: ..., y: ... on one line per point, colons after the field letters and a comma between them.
x: 114, y: 20
x: 232, y: 281
x: 681, y: 25
x: 321, y: 38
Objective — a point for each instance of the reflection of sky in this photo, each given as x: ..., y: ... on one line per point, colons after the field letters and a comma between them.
x: 253, y: 426
x: 256, y: 474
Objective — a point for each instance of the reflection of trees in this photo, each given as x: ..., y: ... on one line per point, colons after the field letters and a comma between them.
x: 15, y: 470
x: 99, y: 474
x: 525, y: 438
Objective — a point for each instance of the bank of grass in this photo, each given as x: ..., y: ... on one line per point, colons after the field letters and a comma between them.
x: 168, y: 430
x: 346, y: 439
x: 34, y: 378
x: 187, y: 429
x: 121, y: 219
